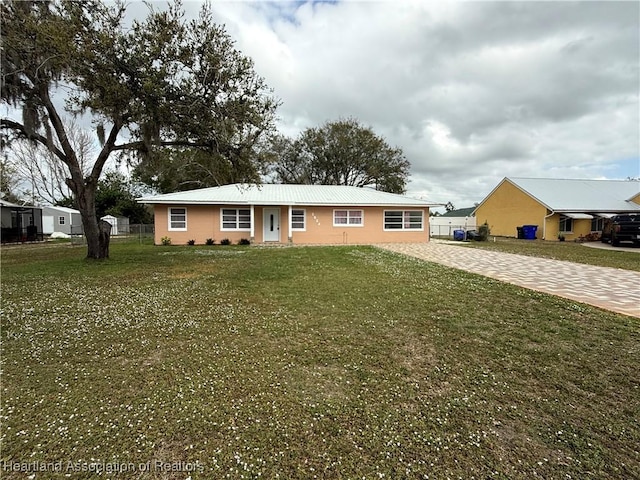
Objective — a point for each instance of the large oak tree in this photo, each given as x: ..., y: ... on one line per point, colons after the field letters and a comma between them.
x: 164, y: 82
x: 343, y: 152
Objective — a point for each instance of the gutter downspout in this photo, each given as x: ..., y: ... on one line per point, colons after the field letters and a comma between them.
x: 544, y: 224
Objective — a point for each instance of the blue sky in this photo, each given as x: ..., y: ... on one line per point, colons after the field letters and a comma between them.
x: 626, y: 168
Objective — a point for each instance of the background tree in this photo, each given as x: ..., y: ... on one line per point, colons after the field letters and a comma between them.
x: 9, y: 183
x: 41, y: 173
x: 116, y: 195
x: 162, y: 83
x: 340, y: 153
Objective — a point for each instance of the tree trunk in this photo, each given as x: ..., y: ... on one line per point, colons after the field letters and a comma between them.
x: 96, y: 232
x: 104, y: 235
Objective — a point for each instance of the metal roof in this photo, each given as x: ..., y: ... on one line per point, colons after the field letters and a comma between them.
x: 62, y: 209
x: 6, y: 204
x: 460, y: 212
x: 578, y: 195
x: 278, y: 194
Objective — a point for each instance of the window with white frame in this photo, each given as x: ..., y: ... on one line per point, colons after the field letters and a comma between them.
x: 566, y: 224
x: 236, y: 219
x: 177, y: 218
x: 61, y: 220
x: 403, y: 220
x: 348, y: 218
x: 298, y: 219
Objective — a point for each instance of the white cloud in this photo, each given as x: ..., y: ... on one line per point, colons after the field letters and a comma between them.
x: 471, y: 91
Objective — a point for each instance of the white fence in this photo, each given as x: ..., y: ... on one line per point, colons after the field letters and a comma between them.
x: 444, y: 226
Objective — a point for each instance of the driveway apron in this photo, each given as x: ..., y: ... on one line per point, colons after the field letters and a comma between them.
x: 608, y: 288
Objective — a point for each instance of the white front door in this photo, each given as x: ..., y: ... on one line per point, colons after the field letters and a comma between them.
x: 271, y: 226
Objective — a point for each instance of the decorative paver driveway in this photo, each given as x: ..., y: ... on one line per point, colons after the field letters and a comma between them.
x: 609, y: 288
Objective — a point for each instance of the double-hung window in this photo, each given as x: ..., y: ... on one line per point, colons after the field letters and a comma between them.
x: 348, y: 218
x: 177, y: 218
x: 236, y: 219
x: 403, y: 220
x: 298, y: 219
x: 61, y: 220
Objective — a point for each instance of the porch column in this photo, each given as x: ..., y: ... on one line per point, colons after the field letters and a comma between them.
x: 289, y: 238
x: 252, y: 235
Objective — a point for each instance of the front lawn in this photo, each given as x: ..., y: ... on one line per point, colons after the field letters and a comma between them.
x: 310, y: 362
x: 569, y: 251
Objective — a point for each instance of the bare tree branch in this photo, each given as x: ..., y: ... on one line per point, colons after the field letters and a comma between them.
x: 7, y: 124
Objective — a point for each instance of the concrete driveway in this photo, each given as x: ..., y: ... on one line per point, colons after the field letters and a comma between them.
x: 624, y: 247
x: 608, y: 288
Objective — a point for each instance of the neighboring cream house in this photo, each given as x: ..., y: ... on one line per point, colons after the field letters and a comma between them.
x: 304, y: 214
x: 570, y: 207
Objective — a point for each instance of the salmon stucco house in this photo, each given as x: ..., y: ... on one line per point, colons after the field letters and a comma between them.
x: 570, y: 208
x: 302, y: 214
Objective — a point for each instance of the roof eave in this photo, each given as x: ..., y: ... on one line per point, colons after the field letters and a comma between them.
x: 149, y: 201
x: 598, y: 210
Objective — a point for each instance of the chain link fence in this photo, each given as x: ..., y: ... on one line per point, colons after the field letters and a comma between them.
x: 140, y: 233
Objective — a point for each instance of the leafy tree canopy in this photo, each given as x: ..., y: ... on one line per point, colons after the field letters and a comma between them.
x: 116, y: 195
x: 340, y: 153
x: 181, y: 169
x: 161, y: 83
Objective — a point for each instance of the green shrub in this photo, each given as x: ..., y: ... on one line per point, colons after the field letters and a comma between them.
x: 191, y: 242
x: 483, y: 232
x: 225, y: 241
x: 244, y: 241
x: 210, y: 241
x: 165, y: 241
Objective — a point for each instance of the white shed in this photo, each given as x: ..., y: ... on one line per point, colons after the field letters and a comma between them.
x: 114, y: 223
x: 119, y: 225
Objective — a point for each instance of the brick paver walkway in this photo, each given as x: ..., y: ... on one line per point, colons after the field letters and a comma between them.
x: 609, y: 288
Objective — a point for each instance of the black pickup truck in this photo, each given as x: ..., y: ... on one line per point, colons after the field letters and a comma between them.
x: 622, y: 228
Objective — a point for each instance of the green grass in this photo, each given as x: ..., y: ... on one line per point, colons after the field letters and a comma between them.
x: 569, y: 251
x: 334, y: 362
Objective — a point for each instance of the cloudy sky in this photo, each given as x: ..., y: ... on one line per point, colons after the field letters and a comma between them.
x: 471, y: 91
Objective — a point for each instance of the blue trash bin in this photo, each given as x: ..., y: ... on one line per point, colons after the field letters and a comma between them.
x: 458, y: 235
x: 529, y: 232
